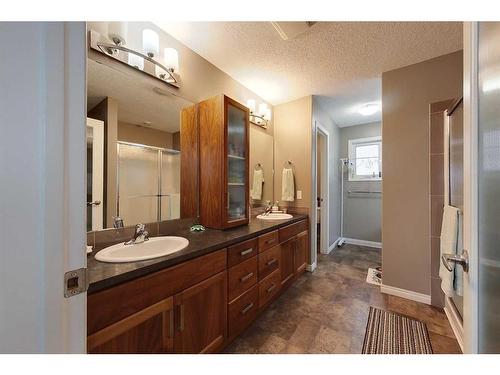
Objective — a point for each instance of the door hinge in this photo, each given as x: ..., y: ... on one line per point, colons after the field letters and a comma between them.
x: 75, y: 282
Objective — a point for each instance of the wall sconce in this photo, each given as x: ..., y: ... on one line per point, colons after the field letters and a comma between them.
x: 167, y: 72
x: 261, y: 118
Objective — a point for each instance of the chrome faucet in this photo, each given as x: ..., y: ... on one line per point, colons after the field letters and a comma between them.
x: 140, y: 235
x: 268, y: 208
x: 117, y: 222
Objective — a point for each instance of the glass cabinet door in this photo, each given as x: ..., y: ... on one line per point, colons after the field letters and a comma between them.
x: 236, y: 163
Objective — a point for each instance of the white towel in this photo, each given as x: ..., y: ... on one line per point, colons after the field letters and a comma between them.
x: 258, y: 180
x: 448, y: 245
x: 287, y: 185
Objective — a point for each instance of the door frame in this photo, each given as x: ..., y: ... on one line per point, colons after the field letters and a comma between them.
x: 470, y: 236
x: 325, y: 191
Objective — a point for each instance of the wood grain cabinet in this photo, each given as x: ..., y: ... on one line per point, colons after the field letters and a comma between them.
x: 201, y: 316
x: 148, y: 331
x: 223, y: 183
x: 301, y: 251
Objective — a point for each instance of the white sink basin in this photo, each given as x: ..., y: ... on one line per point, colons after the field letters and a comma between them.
x: 155, y: 247
x: 276, y: 216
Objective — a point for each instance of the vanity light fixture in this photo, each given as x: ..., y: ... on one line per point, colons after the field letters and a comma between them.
x: 167, y: 72
x: 369, y: 109
x: 261, y: 118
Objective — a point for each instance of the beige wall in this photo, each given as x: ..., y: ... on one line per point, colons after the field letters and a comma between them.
x: 406, y: 96
x: 292, y: 141
x: 145, y: 136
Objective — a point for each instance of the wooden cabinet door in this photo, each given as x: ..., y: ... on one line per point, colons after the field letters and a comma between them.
x: 147, y: 331
x: 201, y: 316
x: 301, y: 251
x: 287, y: 263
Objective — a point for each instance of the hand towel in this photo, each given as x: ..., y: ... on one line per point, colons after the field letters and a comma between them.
x: 258, y: 180
x: 448, y: 245
x: 287, y: 185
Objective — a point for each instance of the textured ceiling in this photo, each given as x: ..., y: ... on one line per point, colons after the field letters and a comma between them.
x: 340, y: 61
x: 137, y: 102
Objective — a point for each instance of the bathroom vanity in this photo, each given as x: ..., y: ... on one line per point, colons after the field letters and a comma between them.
x: 199, y: 299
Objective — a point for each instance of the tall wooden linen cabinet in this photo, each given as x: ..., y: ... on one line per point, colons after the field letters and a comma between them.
x: 224, y: 162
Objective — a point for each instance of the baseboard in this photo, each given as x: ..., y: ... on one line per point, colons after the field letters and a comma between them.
x: 332, y: 246
x: 354, y: 241
x: 311, y: 267
x: 455, y: 322
x: 408, y: 294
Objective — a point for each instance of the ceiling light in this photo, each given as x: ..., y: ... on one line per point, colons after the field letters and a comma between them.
x: 369, y: 109
x: 150, y: 42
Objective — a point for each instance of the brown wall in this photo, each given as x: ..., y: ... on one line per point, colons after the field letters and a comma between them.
x: 406, y: 96
x: 144, y: 136
x: 292, y: 141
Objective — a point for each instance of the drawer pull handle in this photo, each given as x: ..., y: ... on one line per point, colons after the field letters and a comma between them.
x: 246, y: 277
x: 270, y: 241
x: 246, y: 309
x: 271, y: 262
x: 270, y: 289
x: 245, y: 252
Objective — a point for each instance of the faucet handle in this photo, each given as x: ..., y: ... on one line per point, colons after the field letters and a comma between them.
x: 140, y: 228
x: 117, y: 222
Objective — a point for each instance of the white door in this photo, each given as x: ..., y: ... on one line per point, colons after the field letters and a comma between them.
x: 42, y: 169
x: 95, y: 174
x: 482, y: 186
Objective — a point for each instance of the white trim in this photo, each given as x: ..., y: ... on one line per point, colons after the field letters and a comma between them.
x: 333, y: 246
x: 311, y: 267
x: 470, y: 237
x: 354, y: 241
x: 455, y: 322
x: 404, y: 293
x: 325, y: 178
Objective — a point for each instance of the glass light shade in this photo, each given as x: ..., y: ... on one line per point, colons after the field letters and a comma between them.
x: 136, y: 61
x: 251, y: 105
x: 150, y: 42
x: 171, y: 59
x: 267, y: 114
x: 369, y: 109
x: 262, y: 109
x: 117, y: 32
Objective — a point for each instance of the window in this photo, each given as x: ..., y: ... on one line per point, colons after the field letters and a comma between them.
x: 365, y: 157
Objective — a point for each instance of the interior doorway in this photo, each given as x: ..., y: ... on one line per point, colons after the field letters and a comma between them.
x: 321, y: 190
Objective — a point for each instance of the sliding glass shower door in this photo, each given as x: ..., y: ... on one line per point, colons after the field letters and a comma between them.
x: 148, y: 183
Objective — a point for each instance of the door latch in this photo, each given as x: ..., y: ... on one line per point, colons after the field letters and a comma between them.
x: 75, y: 282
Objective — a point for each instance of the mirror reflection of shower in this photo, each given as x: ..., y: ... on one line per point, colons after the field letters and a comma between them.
x: 148, y: 183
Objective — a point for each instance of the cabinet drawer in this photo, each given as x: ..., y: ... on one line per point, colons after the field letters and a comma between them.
x: 269, y: 261
x: 242, y: 277
x: 291, y: 230
x: 269, y: 287
x: 268, y: 240
x: 242, y: 251
x: 243, y: 310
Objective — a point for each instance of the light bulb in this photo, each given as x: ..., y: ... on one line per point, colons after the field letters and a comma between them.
x: 150, y: 42
x: 171, y: 59
x: 136, y: 61
x: 267, y: 115
x: 262, y: 109
x: 251, y: 105
x: 117, y: 32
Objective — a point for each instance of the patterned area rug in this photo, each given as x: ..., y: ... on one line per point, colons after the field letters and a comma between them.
x: 389, y: 333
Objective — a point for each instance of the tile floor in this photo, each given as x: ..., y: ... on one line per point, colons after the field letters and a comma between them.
x: 326, y: 311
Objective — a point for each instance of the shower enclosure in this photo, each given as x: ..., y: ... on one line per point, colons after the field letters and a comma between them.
x: 148, y: 183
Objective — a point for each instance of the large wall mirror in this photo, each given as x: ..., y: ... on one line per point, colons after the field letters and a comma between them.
x: 133, y: 147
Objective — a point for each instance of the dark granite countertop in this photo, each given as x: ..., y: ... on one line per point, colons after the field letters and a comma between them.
x: 105, y: 275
